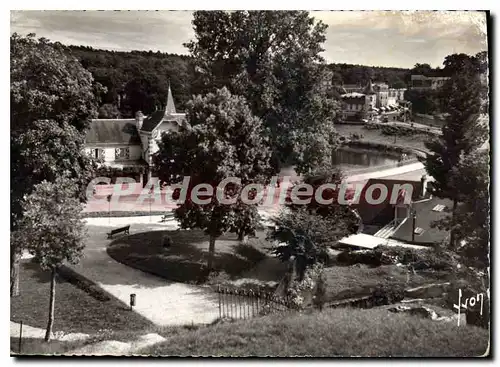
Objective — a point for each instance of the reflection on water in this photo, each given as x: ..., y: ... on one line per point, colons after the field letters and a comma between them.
x: 348, y: 158
x: 351, y: 158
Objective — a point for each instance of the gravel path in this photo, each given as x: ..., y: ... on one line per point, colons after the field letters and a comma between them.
x: 38, y: 333
x: 162, y: 302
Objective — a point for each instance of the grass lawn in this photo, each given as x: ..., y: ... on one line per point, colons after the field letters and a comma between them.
x: 185, y: 260
x: 357, y: 280
x: 339, y: 332
x: 75, y: 310
x: 376, y: 136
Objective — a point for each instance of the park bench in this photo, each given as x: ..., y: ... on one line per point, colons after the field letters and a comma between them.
x: 119, y: 230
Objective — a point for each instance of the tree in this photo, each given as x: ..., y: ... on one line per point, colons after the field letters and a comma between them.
x: 273, y: 60
x: 52, y: 103
x: 109, y: 111
x: 246, y: 220
x: 472, y: 224
x: 305, y: 231
x: 225, y: 141
x: 458, y: 63
x: 463, y: 133
x: 302, y: 237
x: 52, y: 230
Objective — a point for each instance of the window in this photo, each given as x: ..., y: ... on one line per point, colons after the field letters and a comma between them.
x: 96, y: 153
x: 438, y: 208
x: 122, y: 153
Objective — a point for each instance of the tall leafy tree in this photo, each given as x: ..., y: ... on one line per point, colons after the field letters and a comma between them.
x: 52, y: 103
x: 225, y: 140
x: 273, y: 60
x: 52, y: 230
x: 463, y: 133
x: 305, y: 231
x: 472, y: 224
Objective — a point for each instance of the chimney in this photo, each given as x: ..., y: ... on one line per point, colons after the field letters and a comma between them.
x: 139, y: 118
x: 423, y: 186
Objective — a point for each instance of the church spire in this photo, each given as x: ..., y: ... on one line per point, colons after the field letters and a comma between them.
x: 170, y: 109
x: 369, y: 88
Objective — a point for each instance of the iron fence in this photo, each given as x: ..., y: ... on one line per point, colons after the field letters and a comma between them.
x: 245, y: 304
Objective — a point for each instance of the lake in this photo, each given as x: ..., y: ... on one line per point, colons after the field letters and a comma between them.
x: 354, y: 158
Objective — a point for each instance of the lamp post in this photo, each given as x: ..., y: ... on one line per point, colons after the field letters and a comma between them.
x: 414, y: 218
x: 108, y: 198
x: 132, y: 301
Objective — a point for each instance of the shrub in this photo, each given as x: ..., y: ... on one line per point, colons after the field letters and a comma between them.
x: 319, y: 298
x: 385, y: 295
x: 368, y: 257
x: 167, y: 241
x: 385, y: 255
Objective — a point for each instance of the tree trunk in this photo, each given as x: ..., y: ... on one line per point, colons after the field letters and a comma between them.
x: 14, y: 273
x: 241, y: 237
x: 211, y: 253
x: 51, y: 304
x: 452, y: 230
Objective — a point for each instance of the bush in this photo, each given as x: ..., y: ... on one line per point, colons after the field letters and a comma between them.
x: 166, y: 241
x: 368, y: 257
x: 385, y: 255
x: 385, y: 295
x: 319, y: 298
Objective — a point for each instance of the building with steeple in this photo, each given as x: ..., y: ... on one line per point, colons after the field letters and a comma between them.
x: 359, y: 106
x: 126, y: 146
x: 374, y: 100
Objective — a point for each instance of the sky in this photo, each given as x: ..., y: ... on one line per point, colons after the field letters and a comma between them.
x: 376, y: 38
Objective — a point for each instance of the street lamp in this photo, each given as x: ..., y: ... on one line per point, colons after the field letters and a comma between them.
x: 414, y: 218
x: 108, y: 198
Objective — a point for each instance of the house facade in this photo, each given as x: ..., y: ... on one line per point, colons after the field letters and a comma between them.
x: 369, y: 102
x: 127, y: 145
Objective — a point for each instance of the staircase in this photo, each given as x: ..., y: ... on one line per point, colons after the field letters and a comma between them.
x: 389, y: 229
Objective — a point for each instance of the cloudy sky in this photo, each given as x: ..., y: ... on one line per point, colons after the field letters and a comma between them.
x: 356, y: 37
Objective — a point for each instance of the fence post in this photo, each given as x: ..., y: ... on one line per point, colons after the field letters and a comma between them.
x: 220, y: 300
x: 231, y: 297
x: 239, y: 303
x: 20, y: 337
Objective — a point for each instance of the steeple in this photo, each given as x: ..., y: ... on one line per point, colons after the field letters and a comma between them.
x: 170, y: 109
x: 369, y: 88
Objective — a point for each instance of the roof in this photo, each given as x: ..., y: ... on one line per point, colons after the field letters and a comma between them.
x: 369, y: 88
x: 353, y: 95
x: 156, y: 118
x: 170, y: 109
x: 366, y: 241
x: 425, y: 217
x: 112, y: 132
x: 169, y: 113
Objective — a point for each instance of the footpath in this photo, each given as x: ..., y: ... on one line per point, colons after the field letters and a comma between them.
x: 163, y: 302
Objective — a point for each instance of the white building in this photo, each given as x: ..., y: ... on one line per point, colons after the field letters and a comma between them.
x: 128, y: 144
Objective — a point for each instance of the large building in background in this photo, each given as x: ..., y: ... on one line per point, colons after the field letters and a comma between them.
x: 374, y: 99
x: 422, y: 82
x: 126, y: 146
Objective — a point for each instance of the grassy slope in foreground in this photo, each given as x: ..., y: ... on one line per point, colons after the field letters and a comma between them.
x: 340, y: 332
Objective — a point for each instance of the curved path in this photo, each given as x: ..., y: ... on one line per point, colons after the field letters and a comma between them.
x: 163, y: 302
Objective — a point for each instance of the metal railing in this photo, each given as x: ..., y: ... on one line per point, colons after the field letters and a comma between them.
x: 245, y: 304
